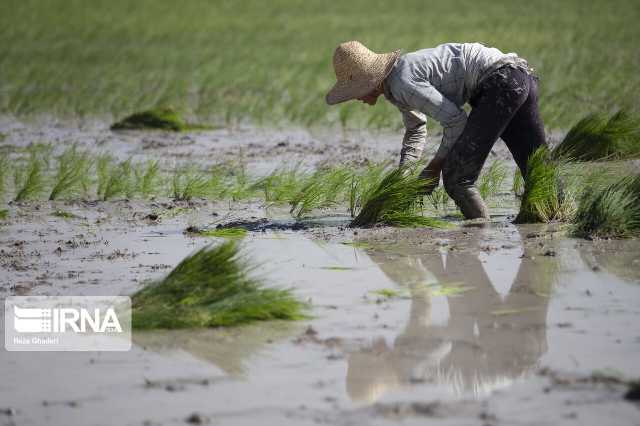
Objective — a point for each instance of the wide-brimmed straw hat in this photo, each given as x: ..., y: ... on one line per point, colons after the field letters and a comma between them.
x: 358, y: 71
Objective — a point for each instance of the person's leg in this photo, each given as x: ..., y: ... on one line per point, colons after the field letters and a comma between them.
x: 525, y: 132
x: 501, y: 95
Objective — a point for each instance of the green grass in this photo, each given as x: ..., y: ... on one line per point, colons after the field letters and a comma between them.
x: 544, y: 199
x: 610, y: 211
x: 211, y: 288
x: 72, y: 174
x: 602, y: 137
x: 271, y: 61
x: 159, y: 118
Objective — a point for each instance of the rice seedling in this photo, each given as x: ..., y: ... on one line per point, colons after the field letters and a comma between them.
x: 118, y: 181
x: 281, y: 185
x: 5, y: 168
x: 394, y: 200
x: 4, y: 214
x: 491, y: 181
x: 439, y: 199
x: 72, y: 174
x: 387, y: 293
x: 64, y: 214
x: 229, y: 233
x: 157, y: 118
x: 211, y: 288
x: 518, y: 183
x: 30, y: 180
x: 103, y: 166
x: 147, y: 177
x: 599, y: 137
x: 189, y: 182
x: 362, y: 182
x: 239, y: 185
x: 609, y: 211
x: 323, y: 189
x: 544, y: 198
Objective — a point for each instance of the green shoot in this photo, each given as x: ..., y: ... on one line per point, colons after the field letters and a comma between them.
x: 72, y: 173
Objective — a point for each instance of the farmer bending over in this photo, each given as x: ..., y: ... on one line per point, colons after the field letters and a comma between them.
x: 437, y: 82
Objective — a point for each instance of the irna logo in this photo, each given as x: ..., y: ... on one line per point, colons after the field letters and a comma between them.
x: 61, y: 320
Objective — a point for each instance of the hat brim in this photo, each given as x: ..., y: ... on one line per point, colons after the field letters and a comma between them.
x: 344, y: 91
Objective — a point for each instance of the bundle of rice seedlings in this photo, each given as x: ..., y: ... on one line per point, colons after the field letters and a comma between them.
x: 600, y: 137
x: 490, y: 182
x: 189, y: 182
x: 544, y: 199
x: 211, y: 288
x: 394, y: 201
x: 30, y: 181
x: 363, y: 182
x: 229, y: 233
x: 610, y: 211
x: 157, y: 118
x: 147, y: 178
x: 323, y: 189
x: 72, y: 174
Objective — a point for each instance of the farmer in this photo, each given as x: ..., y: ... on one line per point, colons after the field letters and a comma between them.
x: 502, y: 92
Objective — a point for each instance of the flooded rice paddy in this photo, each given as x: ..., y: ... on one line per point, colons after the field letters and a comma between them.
x: 481, y: 324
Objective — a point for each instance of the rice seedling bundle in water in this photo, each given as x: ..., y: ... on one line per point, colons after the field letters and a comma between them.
x: 394, y: 201
x: 544, y: 198
x: 211, y: 288
x: 610, y: 211
x: 600, y: 137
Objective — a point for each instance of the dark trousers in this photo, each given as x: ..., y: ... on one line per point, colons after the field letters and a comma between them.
x: 505, y: 106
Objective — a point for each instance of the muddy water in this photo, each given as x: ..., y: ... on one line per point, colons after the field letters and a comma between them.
x: 490, y: 324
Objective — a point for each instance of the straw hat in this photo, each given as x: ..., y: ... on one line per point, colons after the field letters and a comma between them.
x: 358, y: 71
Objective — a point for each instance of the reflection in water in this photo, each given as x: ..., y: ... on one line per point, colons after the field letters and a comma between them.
x: 489, y: 339
x: 619, y: 257
x: 228, y: 349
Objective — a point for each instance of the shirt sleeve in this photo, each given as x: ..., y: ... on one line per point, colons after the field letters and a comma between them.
x: 415, y: 136
x: 425, y: 98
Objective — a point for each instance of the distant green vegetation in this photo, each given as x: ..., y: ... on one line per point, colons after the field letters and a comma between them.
x: 225, y: 61
x: 211, y: 288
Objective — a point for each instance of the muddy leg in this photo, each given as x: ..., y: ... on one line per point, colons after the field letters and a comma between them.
x: 500, y: 97
x: 525, y: 132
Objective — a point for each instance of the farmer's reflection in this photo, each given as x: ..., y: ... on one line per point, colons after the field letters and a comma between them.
x: 489, y: 339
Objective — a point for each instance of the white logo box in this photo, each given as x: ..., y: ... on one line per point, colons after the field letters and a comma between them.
x: 67, y: 323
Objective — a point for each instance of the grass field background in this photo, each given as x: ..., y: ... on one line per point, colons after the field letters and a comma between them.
x: 269, y: 62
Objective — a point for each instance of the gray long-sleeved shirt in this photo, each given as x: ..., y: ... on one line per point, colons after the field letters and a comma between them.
x: 437, y: 82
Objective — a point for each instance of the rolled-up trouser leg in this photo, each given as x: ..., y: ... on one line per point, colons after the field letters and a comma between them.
x: 500, y: 96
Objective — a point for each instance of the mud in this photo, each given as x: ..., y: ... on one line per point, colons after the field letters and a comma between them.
x: 481, y: 324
